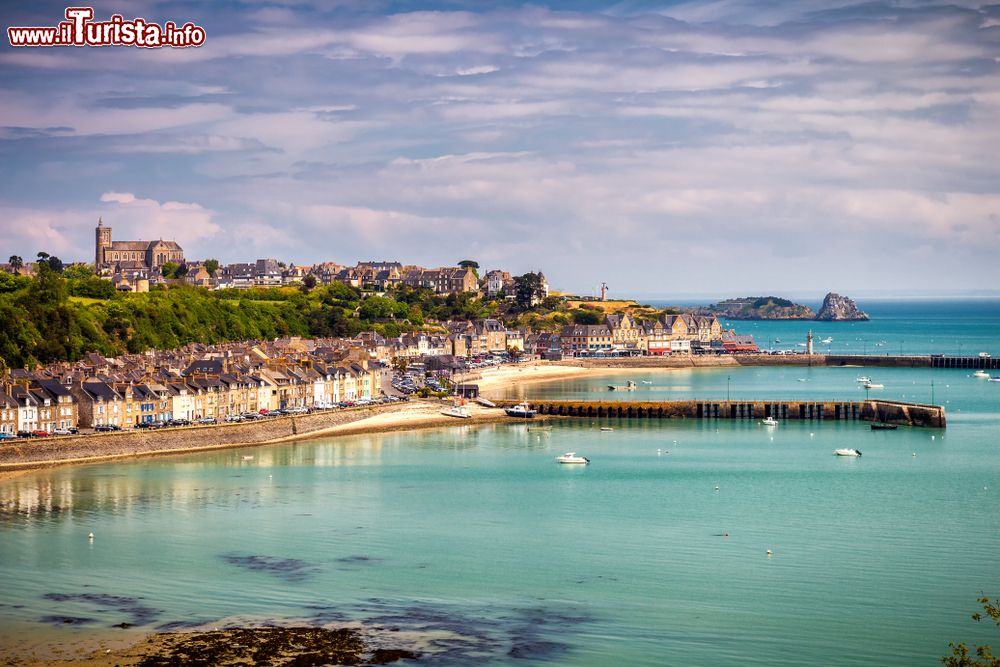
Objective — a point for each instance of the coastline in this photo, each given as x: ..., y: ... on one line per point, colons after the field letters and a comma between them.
x: 411, y: 415
x: 21, y: 457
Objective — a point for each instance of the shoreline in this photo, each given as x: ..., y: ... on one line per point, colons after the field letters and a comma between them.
x: 20, y: 458
x: 412, y: 415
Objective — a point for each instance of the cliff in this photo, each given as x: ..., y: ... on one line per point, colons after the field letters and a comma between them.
x: 840, y: 308
x: 758, y: 308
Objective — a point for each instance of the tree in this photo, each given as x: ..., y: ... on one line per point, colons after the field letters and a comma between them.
x: 16, y: 263
x: 169, y: 269
x: 984, y: 654
x: 586, y: 316
x: 211, y: 265
x: 309, y: 282
x: 528, y: 290
x: 470, y: 264
x: 78, y: 272
x: 181, y: 271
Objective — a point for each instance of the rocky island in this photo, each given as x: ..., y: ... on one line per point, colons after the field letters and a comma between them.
x: 835, y: 308
x: 758, y: 308
x: 840, y: 308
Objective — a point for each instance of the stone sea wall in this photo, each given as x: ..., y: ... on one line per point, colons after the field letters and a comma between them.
x: 118, y: 444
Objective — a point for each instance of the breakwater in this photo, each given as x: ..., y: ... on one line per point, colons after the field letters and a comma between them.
x: 724, y: 360
x: 891, y: 412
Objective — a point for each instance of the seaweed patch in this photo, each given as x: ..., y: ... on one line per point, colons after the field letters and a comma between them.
x: 289, y: 569
x: 137, y: 612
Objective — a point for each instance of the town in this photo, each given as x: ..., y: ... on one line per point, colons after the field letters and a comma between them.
x: 239, y: 380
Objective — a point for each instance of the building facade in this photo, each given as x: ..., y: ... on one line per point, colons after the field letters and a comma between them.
x: 112, y: 256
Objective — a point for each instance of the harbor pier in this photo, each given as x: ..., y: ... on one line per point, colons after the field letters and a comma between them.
x: 890, y: 412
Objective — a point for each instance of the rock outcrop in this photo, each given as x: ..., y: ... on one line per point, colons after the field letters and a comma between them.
x: 758, y: 308
x: 840, y: 308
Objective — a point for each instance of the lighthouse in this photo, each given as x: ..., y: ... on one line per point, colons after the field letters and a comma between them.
x: 809, y: 342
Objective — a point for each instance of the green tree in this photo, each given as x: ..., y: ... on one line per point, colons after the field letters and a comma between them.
x: 470, y: 264
x: 78, y: 272
x: 984, y: 657
x: 169, y: 269
x: 528, y: 290
x: 586, y: 316
x: 309, y: 282
x: 211, y: 265
x: 181, y: 271
x: 16, y: 263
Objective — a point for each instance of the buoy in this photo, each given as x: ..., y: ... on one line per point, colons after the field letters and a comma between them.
x: 91, y: 536
x: 716, y: 487
x: 769, y: 552
x: 914, y: 453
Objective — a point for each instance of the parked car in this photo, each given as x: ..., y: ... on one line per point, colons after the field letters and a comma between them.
x: 301, y: 410
x: 235, y: 418
x: 147, y: 425
x: 107, y: 427
x: 8, y: 436
x: 208, y: 420
x: 62, y: 431
x: 179, y: 422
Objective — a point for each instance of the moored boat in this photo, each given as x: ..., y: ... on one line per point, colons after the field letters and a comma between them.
x: 769, y: 421
x: 873, y: 385
x: 521, y: 411
x: 847, y: 451
x: 485, y: 402
x: 459, y: 411
x: 864, y: 379
x: 571, y: 457
x: 882, y: 426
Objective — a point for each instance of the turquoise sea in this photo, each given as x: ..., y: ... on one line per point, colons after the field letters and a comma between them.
x: 475, y: 545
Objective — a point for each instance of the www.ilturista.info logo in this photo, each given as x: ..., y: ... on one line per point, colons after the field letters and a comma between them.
x: 79, y: 29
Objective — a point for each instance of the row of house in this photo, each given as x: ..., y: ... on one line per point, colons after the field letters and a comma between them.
x: 192, y: 383
x: 621, y: 334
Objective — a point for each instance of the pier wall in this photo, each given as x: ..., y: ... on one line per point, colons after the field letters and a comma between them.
x: 892, y: 412
x: 731, y: 360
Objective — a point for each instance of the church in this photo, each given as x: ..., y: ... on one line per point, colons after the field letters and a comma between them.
x: 133, y: 256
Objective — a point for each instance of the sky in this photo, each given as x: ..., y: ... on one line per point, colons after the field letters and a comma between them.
x: 663, y: 147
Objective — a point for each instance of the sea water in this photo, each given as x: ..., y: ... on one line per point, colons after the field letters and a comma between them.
x: 475, y: 545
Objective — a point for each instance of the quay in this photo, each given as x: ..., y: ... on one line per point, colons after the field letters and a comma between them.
x: 890, y: 412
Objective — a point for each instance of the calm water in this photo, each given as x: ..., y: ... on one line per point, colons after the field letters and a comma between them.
x: 475, y: 544
x: 898, y: 326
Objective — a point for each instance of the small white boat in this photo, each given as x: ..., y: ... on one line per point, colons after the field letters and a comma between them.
x: 607, y: 428
x: 981, y: 374
x: 248, y: 457
x: 873, y: 385
x: 769, y: 421
x: 847, y: 451
x: 571, y: 457
x: 629, y: 386
x: 826, y: 341
x: 459, y: 411
x: 521, y: 411
x: 995, y: 378
x: 863, y: 379
x: 485, y: 402
x: 647, y: 382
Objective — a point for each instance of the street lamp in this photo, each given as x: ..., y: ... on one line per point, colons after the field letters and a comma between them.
x: 727, y: 389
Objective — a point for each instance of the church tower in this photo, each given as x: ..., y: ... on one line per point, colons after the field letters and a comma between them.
x: 103, y: 240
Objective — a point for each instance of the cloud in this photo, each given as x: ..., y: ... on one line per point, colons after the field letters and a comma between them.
x: 647, y: 145
x: 188, y: 223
